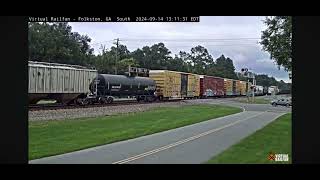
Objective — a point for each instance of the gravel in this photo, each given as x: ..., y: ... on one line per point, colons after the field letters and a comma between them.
x: 61, y: 114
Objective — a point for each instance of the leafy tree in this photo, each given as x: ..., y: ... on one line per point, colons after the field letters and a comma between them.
x: 265, y: 80
x: 55, y: 42
x: 124, y: 64
x: 105, y: 62
x: 187, y: 61
x: 225, y: 68
x: 200, y: 59
x: 159, y: 56
x: 155, y: 57
x: 177, y: 64
x: 277, y: 40
x: 122, y: 52
x: 284, y: 86
x: 108, y: 60
x: 140, y: 57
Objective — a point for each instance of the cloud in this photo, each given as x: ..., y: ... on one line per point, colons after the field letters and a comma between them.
x: 211, y: 32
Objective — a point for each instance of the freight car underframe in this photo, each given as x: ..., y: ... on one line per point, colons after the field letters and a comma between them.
x: 109, y: 98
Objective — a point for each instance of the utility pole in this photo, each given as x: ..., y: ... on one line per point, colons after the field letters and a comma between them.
x: 246, y: 73
x: 117, y: 43
x: 290, y: 75
x: 248, y: 99
x: 254, y: 85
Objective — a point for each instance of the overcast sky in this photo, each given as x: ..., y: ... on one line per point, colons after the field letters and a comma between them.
x: 234, y: 36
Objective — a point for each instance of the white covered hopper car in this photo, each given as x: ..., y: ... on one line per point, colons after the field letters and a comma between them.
x: 60, y: 82
x: 258, y: 90
x: 273, y: 90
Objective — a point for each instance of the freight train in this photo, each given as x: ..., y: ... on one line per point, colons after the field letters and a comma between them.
x: 70, y: 84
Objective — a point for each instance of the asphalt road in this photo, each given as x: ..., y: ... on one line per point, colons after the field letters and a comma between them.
x: 191, y: 144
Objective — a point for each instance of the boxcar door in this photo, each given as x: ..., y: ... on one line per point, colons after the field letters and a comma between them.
x: 247, y: 87
x: 184, y: 84
x: 234, y: 86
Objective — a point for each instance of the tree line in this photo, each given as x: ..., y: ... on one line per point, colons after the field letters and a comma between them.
x: 56, y: 42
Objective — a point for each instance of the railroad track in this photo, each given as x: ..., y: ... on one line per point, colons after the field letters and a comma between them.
x: 55, y: 106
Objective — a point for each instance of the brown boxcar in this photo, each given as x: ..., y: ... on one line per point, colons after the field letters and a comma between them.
x: 211, y: 86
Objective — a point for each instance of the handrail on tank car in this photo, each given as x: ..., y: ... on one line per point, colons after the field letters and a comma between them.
x: 58, y: 64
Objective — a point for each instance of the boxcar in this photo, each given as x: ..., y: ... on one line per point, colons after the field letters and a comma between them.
x: 59, y: 82
x: 238, y: 88
x: 248, y: 88
x: 228, y: 87
x: 243, y: 88
x: 193, y: 89
x: 173, y: 84
x: 211, y: 86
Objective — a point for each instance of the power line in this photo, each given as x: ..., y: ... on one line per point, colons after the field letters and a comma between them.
x: 179, y: 40
x: 242, y: 44
x: 226, y: 42
x: 188, y: 40
x: 182, y: 40
x: 98, y: 43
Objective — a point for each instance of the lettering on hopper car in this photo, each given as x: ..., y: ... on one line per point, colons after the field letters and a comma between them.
x: 115, y: 87
x: 150, y: 88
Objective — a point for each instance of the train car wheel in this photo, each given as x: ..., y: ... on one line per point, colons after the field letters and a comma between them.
x: 82, y: 102
x: 109, y: 100
x: 150, y: 99
x: 86, y: 102
x: 102, y: 100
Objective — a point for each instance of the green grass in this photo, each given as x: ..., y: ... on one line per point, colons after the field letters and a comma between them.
x: 48, y: 138
x: 275, y: 137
